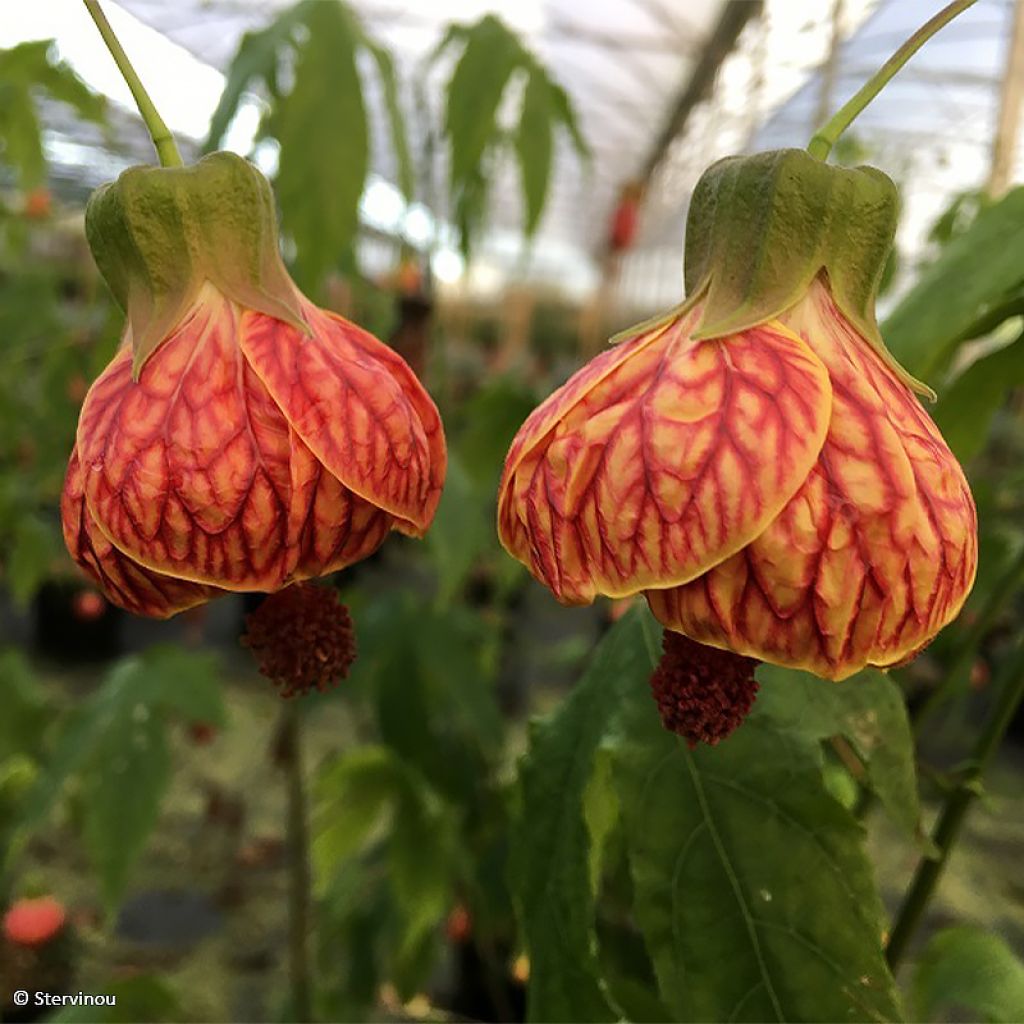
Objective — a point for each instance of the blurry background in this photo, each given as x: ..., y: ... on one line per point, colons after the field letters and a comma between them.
x: 496, y: 247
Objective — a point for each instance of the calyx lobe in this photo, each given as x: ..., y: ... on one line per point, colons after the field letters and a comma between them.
x: 761, y: 228
x: 158, y: 233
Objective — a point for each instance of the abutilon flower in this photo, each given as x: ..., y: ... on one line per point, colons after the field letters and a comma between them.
x: 242, y: 438
x: 755, y: 462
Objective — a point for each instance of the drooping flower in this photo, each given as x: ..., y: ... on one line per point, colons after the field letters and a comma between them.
x: 755, y: 462
x: 242, y: 438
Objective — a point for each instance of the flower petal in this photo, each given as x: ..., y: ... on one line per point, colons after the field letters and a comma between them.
x: 187, y: 470
x: 358, y: 407
x: 661, y: 458
x: 128, y: 585
x: 872, y: 557
x: 338, y: 527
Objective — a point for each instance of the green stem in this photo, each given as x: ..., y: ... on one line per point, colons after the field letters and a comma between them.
x: 163, y: 140
x: 947, y: 829
x: 300, y: 918
x: 825, y: 138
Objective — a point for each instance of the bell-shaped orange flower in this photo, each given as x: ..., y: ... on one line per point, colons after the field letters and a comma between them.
x: 755, y: 463
x: 242, y: 438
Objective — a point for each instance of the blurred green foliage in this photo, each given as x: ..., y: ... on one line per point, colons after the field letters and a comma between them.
x: 970, y: 970
x: 55, y: 322
x: 26, y: 71
x: 645, y: 881
x: 492, y: 58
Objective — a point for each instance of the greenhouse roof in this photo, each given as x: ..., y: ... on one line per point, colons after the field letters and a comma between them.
x: 628, y: 65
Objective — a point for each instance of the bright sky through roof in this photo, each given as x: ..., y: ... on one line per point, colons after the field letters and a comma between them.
x: 184, y: 89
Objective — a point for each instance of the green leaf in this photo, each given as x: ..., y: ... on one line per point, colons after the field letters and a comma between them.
x: 432, y: 677
x: 751, y: 884
x: 26, y: 710
x: 551, y: 870
x: 966, y: 409
x: 461, y: 530
x: 396, y: 119
x: 21, y: 137
x: 421, y: 860
x: 475, y: 89
x: 534, y: 147
x: 117, y: 744
x: 977, y: 271
x: 24, y: 70
x: 257, y: 57
x: 365, y: 797
x: 354, y: 796
x: 491, y: 418
x: 566, y: 114
x: 34, y: 547
x: 868, y: 710
x: 185, y: 682
x: 321, y: 126
x: 122, y: 787
x: 971, y: 970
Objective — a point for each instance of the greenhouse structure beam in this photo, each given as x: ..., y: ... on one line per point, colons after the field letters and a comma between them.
x: 719, y: 45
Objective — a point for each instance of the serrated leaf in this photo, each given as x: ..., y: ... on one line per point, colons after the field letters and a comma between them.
x: 971, y: 970
x: 975, y: 272
x: 321, y: 126
x: 534, y: 147
x: 868, y: 710
x: 966, y: 409
x: 752, y: 887
x: 550, y: 870
x: 122, y: 787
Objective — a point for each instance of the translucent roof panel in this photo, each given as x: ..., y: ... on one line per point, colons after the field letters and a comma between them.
x: 622, y: 61
x: 930, y: 129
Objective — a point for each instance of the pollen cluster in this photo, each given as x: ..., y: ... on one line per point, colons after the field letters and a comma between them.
x: 702, y: 693
x: 302, y: 638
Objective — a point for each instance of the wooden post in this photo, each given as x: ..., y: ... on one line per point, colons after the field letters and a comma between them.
x: 1011, y: 95
x: 830, y: 68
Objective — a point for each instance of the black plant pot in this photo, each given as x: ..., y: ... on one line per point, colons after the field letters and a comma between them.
x: 74, y: 623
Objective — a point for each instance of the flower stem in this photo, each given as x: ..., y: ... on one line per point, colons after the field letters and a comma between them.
x: 825, y: 137
x: 1010, y: 693
x: 163, y: 141
x: 299, y: 913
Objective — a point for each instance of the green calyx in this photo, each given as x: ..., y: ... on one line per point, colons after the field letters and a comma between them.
x: 158, y: 234
x: 761, y: 228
